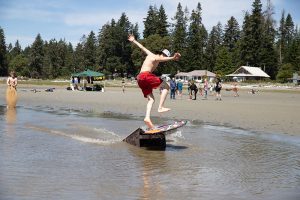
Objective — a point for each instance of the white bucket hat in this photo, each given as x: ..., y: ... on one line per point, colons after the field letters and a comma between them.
x: 166, y: 52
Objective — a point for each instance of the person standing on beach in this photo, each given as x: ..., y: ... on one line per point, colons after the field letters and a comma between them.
x: 235, y: 90
x: 205, y: 87
x: 193, y: 89
x: 179, y: 88
x: 12, y: 80
x: 11, y: 92
x: 147, y: 81
x: 218, y: 89
x: 173, y: 88
x: 123, y: 85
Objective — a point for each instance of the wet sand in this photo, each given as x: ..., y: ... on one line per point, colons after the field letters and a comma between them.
x: 267, y: 111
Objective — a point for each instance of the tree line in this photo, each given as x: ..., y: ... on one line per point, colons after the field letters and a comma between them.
x: 257, y: 42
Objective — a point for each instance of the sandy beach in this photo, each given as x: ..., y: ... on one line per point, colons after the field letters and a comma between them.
x: 267, y: 111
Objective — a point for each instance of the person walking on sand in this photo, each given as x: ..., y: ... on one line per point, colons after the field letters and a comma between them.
x: 147, y: 81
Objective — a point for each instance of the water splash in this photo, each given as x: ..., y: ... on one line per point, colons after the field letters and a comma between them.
x: 104, y: 137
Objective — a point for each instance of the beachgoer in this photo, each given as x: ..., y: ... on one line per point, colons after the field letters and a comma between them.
x: 11, y: 92
x: 12, y: 80
x: 179, y: 88
x: 76, y: 81
x: 205, y: 87
x: 218, y: 89
x: 147, y: 81
x: 235, y: 90
x: 193, y: 89
x: 123, y: 85
x: 189, y: 84
x: 200, y: 90
x: 173, y: 88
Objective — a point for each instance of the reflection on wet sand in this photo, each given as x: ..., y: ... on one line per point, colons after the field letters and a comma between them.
x: 152, y: 188
x: 151, y: 163
x: 11, y: 114
x: 11, y: 97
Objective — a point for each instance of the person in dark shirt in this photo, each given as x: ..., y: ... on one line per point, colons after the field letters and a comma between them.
x: 193, y: 89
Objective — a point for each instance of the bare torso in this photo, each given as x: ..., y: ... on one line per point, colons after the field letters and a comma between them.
x: 150, y: 63
x: 12, y: 81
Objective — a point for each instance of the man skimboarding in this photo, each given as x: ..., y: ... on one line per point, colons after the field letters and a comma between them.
x: 147, y: 81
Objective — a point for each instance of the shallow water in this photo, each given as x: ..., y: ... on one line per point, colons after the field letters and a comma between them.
x: 70, y: 154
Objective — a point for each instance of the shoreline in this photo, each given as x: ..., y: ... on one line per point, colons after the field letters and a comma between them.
x: 268, y: 111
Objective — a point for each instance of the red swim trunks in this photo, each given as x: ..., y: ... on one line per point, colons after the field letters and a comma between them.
x: 147, y: 82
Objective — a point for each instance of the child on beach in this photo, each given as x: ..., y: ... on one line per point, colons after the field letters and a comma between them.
x: 147, y: 81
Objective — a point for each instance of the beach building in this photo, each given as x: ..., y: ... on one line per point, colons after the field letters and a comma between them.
x: 196, y: 75
x: 248, y: 73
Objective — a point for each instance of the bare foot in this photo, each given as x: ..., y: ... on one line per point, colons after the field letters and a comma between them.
x: 149, y: 123
x: 162, y: 109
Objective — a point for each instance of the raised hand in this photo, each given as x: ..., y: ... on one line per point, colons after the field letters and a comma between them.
x: 177, y: 56
x: 131, y: 38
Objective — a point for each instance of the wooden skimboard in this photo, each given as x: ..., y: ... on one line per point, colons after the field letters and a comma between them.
x: 166, y: 127
x: 11, y: 97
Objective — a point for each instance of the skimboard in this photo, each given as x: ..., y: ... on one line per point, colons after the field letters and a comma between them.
x: 166, y: 127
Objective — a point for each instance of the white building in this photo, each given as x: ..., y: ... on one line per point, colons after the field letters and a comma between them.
x: 248, y: 73
x: 196, y: 75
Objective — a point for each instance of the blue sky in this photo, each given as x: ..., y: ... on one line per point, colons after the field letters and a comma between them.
x: 69, y: 19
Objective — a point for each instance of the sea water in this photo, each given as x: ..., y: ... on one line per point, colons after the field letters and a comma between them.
x: 51, y: 153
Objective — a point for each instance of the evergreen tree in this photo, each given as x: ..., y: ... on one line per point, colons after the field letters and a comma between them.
x: 79, y: 58
x: 252, y: 41
x: 151, y: 22
x: 12, y: 53
x: 197, y: 37
x: 3, y: 60
x: 16, y: 50
x: 89, y: 50
x: 36, y: 57
x: 285, y: 72
x: 293, y: 52
x: 113, y: 46
x: 232, y: 34
x: 179, y: 35
x: 256, y: 34
x: 289, y: 29
x: 125, y: 49
x: 281, y: 37
x: 213, y: 44
x: 289, y: 38
x: 223, y: 64
x: 19, y: 64
x: 162, y: 24
x: 69, y: 60
x: 268, y: 53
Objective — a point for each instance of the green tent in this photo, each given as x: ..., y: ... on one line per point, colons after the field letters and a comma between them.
x: 89, y: 73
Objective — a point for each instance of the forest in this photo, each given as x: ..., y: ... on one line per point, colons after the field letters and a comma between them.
x: 260, y: 41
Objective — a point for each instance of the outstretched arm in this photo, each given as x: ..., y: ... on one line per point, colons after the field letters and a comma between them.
x: 131, y: 38
x: 175, y: 57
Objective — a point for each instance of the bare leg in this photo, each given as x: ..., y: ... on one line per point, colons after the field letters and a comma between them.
x: 147, y: 119
x: 163, y: 96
